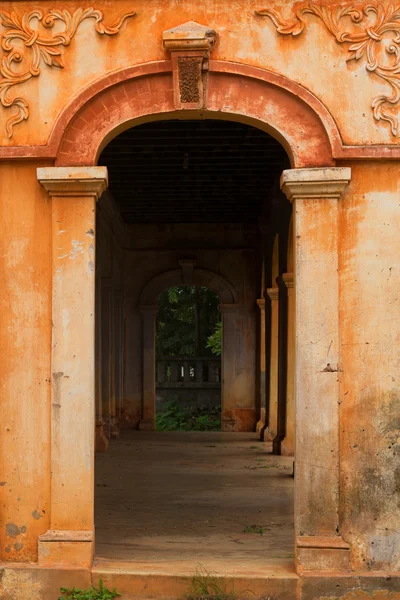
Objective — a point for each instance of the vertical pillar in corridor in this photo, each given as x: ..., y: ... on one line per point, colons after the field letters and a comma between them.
x: 149, y: 367
x: 73, y: 192
x: 262, y: 366
x: 287, y: 445
x: 228, y: 394
x: 118, y: 355
x: 273, y: 295
x: 101, y: 441
x: 315, y: 194
x: 106, y: 356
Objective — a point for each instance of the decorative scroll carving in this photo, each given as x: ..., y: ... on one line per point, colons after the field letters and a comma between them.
x: 373, y: 32
x: 189, y: 77
x: 27, y: 48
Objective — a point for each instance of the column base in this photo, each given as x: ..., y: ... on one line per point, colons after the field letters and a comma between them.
x: 318, y: 553
x: 260, y: 426
x: 147, y: 425
x: 239, y: 419
x: 114, y: 431
x: 287, y: 448
x: 101, y: 442
x: 228, y: 424
x: 66, y: 548
x: 269, y: 435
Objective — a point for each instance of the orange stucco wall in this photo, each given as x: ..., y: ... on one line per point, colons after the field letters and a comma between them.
x: 369, y: 342
x: 368, y: 240
x: 25, y: 341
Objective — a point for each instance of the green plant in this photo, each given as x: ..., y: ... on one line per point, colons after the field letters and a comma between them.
x: 214, y: 342
x: 173, y: 418
x: 209, y: 586
x: 93, y: 593
x: 254, y: 529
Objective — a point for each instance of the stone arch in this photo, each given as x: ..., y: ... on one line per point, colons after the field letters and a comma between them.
x: 188, y: 274
x: 199, y: 277
x: 266, y: 100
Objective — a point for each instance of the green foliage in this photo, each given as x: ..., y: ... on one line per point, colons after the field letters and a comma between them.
x: 254, y: 529
x: 100, y: 593
x: 187, y: 316
x: 173, y: 418
x: 209, y: 586
x: 214, y: 342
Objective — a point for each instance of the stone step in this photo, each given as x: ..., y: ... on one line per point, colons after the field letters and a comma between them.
x: 172, y: 581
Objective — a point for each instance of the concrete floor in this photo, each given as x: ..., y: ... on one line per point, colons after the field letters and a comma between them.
x: 183, y: 499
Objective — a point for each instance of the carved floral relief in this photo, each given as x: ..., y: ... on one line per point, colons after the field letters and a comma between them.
x: 26, y: 48
x: 371, y: 31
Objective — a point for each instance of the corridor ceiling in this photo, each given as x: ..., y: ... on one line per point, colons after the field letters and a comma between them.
x: 202, y: 171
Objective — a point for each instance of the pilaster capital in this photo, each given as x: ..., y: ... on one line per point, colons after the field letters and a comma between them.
x: 148, y: 310
x: 288, y: 279
x: 228, y: 308
x: 261, y: 303
x: 73, y: 181
x: 318, y: 184
x: 273, y: 293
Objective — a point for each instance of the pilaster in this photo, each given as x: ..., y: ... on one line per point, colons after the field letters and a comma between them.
x: 262, y: 366
x: 73, y: 192
x: 229, y: 316
x: 270, y: 433
x: 315, y: 194
x: 149, y: 367
x: 287, y: 444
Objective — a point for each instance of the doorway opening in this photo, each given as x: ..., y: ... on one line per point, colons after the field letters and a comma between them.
x: 194, y: 208
x: 188, y: 354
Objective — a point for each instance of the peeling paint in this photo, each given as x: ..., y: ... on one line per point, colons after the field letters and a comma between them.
x: 12, y: 530
x: 76, y: 250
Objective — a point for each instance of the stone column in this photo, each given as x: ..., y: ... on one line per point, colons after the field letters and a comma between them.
x: 262, y: 366
x: 73, y: 192
x: 287, y: 445
x: 101, y: 441
x: 149, y: 367
x: 315, y: 194
x: 228, y: 366
x: 106, y: 354
x: 119, y: 354
x: 273, y: 294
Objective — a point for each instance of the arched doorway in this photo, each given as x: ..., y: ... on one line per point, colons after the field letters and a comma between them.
x: 188, y: 359
x: 188, y: 273
x: 309, y: 135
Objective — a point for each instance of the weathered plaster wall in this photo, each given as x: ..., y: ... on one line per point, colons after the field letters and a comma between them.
x: 346, y: 88
x: 370, y: 366
x: 25, y: 342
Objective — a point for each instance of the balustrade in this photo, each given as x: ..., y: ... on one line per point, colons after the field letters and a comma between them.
x: 188, y: 373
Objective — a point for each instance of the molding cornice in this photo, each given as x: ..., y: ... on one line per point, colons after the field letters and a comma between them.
x: 189, y: 36
x: 261, y: 304
x: 365, y: 28
x: 288, y: 279
x: 39, y: 49
x: 228, y: 308
x: 73, y: 181
x: 273, y: 293
x: 324, y: 183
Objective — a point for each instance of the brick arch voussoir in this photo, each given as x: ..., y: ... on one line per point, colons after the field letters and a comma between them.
x: 201, y: 277
x: 264, y: 99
